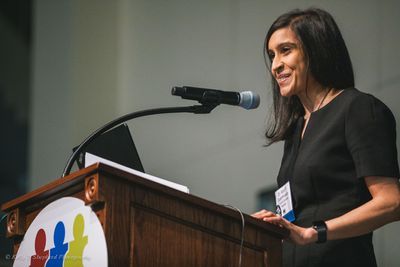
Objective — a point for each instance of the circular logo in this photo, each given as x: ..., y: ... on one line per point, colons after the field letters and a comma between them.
x: 65, y: 233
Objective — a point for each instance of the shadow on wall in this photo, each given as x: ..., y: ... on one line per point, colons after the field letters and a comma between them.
x: 15, y: 17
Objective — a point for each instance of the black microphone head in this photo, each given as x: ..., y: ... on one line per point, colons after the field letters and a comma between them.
x: 249, y: 100
x: 179, y: 91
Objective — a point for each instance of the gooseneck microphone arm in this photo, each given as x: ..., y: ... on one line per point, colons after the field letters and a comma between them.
x: 198, y: 109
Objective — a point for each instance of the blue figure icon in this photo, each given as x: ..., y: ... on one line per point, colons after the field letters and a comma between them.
x: 57, y: 253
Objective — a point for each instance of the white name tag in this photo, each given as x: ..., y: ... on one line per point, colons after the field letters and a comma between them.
x: 283, y: 199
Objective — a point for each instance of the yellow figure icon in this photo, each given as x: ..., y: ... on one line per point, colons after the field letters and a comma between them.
x: 76, y: 246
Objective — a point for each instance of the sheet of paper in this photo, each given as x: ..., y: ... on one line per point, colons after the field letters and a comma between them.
x: 92, y: 159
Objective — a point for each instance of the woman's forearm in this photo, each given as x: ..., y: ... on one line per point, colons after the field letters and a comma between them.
x: 383, y: 208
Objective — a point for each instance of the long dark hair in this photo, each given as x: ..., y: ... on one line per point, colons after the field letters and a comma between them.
x: 328, y: 61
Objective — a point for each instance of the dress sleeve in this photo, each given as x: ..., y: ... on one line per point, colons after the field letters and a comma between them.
x: 371, y: 137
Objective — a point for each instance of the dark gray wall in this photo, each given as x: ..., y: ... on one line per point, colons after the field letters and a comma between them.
x: 94, y: 60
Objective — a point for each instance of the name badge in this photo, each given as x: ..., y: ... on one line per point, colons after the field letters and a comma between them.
x: 284, y: 205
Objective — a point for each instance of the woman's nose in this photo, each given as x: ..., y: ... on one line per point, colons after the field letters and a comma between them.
x: 277, y: 65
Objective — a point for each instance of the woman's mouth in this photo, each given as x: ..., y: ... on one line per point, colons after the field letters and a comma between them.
x: 282, y: 79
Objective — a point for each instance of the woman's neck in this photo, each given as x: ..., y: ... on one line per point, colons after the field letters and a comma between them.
x: 314, y: 99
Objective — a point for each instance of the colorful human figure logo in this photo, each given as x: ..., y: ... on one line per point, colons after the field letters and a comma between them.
x: 76, y: 247
x: 63, y: 254
x: 57, y: 253
x: 40, y: 258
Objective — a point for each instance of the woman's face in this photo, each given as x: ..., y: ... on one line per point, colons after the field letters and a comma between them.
x: 289, y: 64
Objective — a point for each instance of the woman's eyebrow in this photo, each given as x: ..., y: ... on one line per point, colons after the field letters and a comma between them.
x: 287, y: 43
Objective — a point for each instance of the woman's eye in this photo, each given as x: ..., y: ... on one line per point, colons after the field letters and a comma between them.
x: 271, y: 55
x: 285, y: 49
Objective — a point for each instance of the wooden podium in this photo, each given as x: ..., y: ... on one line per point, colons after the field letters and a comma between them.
x: 148, y: 224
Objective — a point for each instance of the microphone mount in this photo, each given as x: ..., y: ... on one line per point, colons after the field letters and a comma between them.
x: 197, y: 109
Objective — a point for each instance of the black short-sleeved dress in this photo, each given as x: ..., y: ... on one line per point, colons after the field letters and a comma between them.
x: 351, y: 137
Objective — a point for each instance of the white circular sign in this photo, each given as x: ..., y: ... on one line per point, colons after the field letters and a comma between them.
x: 65, y: 233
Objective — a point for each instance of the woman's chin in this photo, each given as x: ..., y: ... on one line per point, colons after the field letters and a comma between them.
x: 286, y: 92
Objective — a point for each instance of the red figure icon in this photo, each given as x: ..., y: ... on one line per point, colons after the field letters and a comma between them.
x: 41, y: 256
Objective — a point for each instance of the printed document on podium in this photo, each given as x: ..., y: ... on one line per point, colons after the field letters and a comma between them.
x: 92, y: 159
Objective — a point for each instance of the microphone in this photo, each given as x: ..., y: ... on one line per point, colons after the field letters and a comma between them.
x: 245, y: 99
x: 209, y: 99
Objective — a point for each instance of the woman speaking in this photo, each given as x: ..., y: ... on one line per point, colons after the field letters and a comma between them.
x: 339, y: 169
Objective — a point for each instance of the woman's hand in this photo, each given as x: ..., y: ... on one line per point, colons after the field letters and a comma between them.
x: 298, y: 235
x: 263, y: 214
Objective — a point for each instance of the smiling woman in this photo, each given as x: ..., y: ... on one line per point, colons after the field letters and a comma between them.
x: 320, y: 52
x: 338, y: 179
